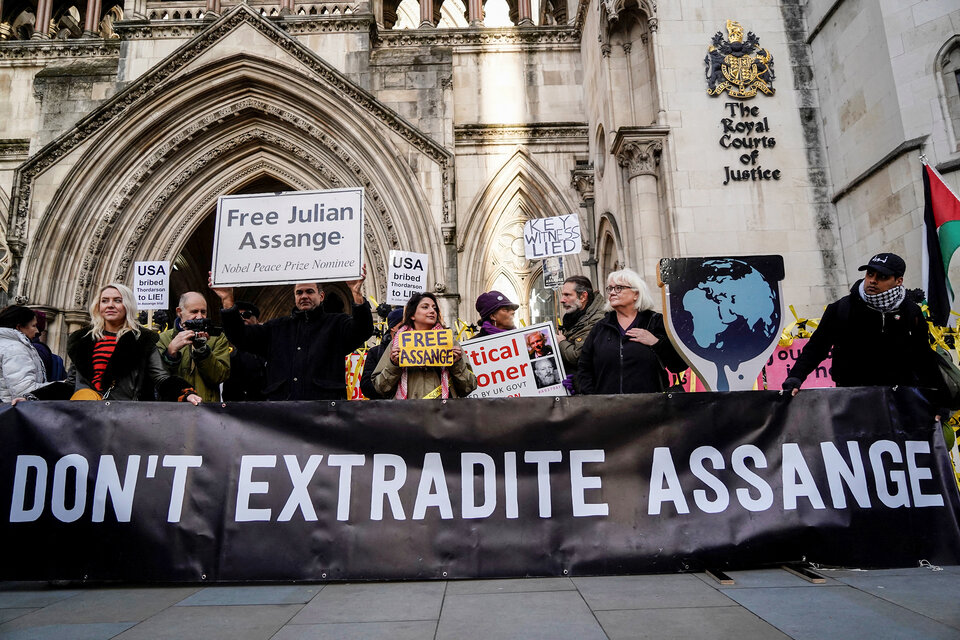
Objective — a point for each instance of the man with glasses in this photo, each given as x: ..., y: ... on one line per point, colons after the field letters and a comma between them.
x: 304, y: 351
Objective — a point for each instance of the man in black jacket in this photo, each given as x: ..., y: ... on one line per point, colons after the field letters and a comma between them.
x: 879, y: 338
x: 374, y: 354
x: 304, y: 351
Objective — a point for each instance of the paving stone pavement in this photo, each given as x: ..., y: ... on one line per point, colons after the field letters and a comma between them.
x: 762, y: 604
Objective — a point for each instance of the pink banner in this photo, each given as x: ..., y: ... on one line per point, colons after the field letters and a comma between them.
x: 782, y: 360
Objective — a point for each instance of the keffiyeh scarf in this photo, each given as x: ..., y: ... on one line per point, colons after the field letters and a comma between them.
x: 444, y: 373
x: 886, y: 301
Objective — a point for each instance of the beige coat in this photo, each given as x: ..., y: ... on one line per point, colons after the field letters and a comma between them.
x: 422, y: 380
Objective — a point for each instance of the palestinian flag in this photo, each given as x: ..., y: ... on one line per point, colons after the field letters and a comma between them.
x: 941, y: 219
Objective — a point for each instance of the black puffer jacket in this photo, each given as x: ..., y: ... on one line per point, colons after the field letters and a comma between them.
x: 612, y: 363
x: 304, y: 351
x: 134, y: 371
x: 871, y: 348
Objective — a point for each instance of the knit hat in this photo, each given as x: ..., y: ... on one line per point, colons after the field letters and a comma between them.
x: 490, y: 301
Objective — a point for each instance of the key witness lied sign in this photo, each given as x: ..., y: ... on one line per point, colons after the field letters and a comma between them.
x: 426, y: 348
x: 556, y: 236
x: 280, y: 238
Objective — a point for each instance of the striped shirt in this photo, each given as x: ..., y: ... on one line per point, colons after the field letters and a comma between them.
x: 102, y: 351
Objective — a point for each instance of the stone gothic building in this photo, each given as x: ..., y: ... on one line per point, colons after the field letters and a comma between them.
x: 122, y: 121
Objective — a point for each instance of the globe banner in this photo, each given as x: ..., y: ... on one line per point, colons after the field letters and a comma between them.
x: 724, y: 315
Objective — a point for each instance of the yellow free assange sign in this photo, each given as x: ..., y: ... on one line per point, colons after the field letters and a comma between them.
x: 426, y: 348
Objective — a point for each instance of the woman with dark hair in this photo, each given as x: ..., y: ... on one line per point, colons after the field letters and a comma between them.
x: 21, y: 369
x: 422, y: 313
x: 117, y: 358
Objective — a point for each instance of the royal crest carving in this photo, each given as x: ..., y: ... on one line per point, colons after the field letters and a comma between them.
x: 739, y: 66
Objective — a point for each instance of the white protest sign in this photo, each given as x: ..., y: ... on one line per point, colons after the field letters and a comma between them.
x: 280, y: 238
x: 151, y: 283
x: 407, y: 275
x: 519, y: 363
x: 556, y: 236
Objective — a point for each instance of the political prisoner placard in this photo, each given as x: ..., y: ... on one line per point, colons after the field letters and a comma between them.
x: 556, y: 236
x: 426, y: 348
x: 279, y: 238
x: 406, y: 277
x: 151, y: 284
x: 518, y: 363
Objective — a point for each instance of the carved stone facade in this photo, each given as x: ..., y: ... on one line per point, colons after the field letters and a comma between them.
x: 118, y: 135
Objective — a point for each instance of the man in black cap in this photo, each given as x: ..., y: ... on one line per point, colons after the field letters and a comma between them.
x: 247, y: 370
x: 879, y: 338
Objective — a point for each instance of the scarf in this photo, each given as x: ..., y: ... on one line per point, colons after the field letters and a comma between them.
x: 886, y: 301
x: 491, y: 328
x: 444, y: 373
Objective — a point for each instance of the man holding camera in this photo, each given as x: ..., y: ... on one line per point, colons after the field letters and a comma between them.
x: 190, y: 351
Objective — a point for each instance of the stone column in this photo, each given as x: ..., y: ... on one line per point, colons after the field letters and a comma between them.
x: 582, y: 180
x: 213, y: 8
x: 426, y: 14
x: 526, y: 13
x: 90, y: 20
x: 449, y: 292
x: 475, y: 13
x: 41, y: 28
x: 641, y: 160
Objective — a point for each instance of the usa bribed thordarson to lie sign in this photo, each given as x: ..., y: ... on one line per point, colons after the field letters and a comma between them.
x: 300, y: 236
x: 473, y: 488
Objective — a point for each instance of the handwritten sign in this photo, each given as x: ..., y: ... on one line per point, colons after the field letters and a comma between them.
x: 556, y: 236
x: 426, y: 348
x: 516, y: 363
x: 782, y: 360
x: 151, y: 284
x: 280, y: 238
x: 407, y: 276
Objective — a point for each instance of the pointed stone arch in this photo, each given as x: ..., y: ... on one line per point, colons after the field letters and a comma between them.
x: 136, y: 177
x: 519, y: 191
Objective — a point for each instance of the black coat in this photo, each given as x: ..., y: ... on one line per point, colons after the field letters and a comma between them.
x: 134, y: 371
x: 305, y: 351
x: 373, y: 358
x: 612, y: 363
x: 871, y: 348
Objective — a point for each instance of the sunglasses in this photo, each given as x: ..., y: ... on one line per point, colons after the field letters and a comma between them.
x: 246, y: 315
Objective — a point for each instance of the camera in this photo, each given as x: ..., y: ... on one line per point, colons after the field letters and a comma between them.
x: 199, y: 325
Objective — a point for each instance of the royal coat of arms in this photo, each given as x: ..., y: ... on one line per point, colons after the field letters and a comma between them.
x: 737, y: 66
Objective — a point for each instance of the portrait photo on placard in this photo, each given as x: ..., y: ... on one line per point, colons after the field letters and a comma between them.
x: 538, y: 344
x: 545, y: 372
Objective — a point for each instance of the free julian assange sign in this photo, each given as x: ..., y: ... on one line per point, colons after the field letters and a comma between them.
x: 279, y: 238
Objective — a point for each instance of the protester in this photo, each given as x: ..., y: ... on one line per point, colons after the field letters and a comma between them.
x: 878, y: 337
x: 394, y: 318
x: 496, y: 313
x: 52, y: 363
x: 21, y: 368
x: 537, y: 346
x: 247, y: 370
x: 188, y: 350
x: 627, y: 350
x: 422, y: 313
x: 582, y: 308
x: 117, y: 358
x: 304, y: 351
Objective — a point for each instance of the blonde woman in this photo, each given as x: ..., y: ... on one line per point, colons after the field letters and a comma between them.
x: 627, y: 350
x: 117, y: 358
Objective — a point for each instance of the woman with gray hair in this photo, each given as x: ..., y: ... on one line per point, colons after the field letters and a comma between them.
x: 627, y: 350
x: 116, y: 358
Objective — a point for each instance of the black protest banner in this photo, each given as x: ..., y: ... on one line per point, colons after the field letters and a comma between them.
x: 473, y: 488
